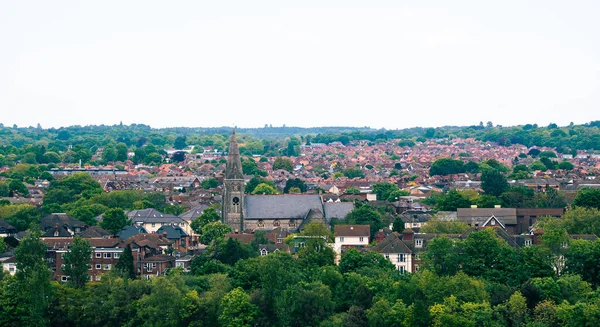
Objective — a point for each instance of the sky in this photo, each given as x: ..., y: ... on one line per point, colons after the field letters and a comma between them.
x: 382, y: 64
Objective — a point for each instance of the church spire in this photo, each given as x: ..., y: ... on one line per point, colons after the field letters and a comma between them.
x: 233, y: 170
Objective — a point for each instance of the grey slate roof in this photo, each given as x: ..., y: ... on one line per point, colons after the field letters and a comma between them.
x: 60, y: 219
x: 508, y: 216
x: 337, y: 210
x: 287, y: 206
x: 129, y: 231
x: 193, y: 213
x: 152, y: 216
x: 392, y: 244
x: 173, y: 232
x: 94, y: 232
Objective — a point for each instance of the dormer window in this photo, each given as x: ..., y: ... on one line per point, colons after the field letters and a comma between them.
x: 493, y: 222
x: 56, y: 233
x: 276, y: 223
x: 419, y: 243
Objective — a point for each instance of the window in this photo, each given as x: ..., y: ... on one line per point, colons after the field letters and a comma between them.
x: 387, y: 256
x: 528, y: 242
x: 116, y: 255
x: 62, y: 267
x: 107, y: 255
x: 361, y: 239
x: 64, y: 278
x: 341, y: 239
x: 493, y: 222
x: 98, y: 278
x: 292, y: 223
x: 402, y: 269
x: 263, y: 252
x: 154, y: 265
x: 419, y: 243
x: 279, y: 240
x: 276, y: 223
x: 401, y: 257
x: 565, y: 245
x: 261, y: 223
x: 106, y: 266
x: 98, y: 254
x: 415, y: 225
x: 98, y: 266
x: 153, y: 224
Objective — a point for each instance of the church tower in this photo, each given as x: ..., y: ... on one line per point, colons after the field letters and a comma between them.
x: 233, y: 188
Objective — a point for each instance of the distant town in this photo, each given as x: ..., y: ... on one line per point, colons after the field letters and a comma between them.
x: 509, y: 213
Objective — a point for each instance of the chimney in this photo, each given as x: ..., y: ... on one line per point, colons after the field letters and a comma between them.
x: 408, y: 234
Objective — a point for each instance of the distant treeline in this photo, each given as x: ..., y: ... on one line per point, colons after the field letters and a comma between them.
x: 36, y: 145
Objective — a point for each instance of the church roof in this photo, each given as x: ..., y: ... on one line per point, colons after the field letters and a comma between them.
x: 337, y: 210
x: 286, y: 206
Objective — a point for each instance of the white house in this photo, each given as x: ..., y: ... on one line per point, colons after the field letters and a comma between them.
x: 347, y: 236
x: 393, y: 249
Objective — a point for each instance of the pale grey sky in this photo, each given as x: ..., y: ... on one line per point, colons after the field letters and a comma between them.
x: 389, y: 64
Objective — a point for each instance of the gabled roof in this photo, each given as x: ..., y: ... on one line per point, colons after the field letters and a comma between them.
x: 153, y: 241
x: 95, y: 232
x: 129, y: 231
x: 492, y: 221
x: 56, y: 231
x: 60, y: 219
x: 4, y: 225
x: 288, y: 206
x: 173, y: 232
x: 392, y: 244
x: 352, y: 230
x: 194, y: 212
x: 244, y: 238
x: 151, y: 215
x: 337, y: 210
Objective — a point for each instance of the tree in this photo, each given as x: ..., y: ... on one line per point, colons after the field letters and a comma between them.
x: 365, y: 215
x: 283, y: 163
x: 493, y: 182
x: 77, y: 260
x: 121, y: 152
x: 453, y: 200
x: 214, y: 231
x: 294, y: 182
x: 180, y: 142
x: 210, y: 183
x: 209, y: 215
x: 264, y: 189
x: 114, y: 220
x: 316, y: 253
x: 356, y: 317
x: 304, y: 304
x: 442, y: 256
x: 33, y: 278
x: 109, y: 154
x: 353, y: 172
x: 587, y: 197
x: 565, y: 165
x: 125, y: 266
x: 383, y: 190
x: 237, y: 309
x: 446, y: 166
x: 398, y: 225
x: 516, y: 308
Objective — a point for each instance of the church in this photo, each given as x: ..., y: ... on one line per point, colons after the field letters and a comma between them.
x: 248, y: 213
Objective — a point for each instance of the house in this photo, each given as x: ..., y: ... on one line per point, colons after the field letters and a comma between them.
x: 184, y: 262
x: 152, y: 219
x: 105, y: 255
x: 9, y: 264
x: 6, y: 229
x: 264, y: 249
x: 61, y: 224
x: 182, y: 242
x: 398, y: 253
x: 350, y: 236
